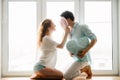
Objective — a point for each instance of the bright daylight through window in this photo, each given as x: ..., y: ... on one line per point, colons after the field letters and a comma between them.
x: 23, y: 17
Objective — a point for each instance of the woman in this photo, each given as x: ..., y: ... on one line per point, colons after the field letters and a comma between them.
x: 45, y: 68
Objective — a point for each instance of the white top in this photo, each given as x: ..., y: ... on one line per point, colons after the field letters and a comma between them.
x: 48, y: 52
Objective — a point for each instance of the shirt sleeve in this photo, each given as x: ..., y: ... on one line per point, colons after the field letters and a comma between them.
x: 51, y: 42
x: 87, y: 32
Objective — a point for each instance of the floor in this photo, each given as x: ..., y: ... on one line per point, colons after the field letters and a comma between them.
x: 78, y: 78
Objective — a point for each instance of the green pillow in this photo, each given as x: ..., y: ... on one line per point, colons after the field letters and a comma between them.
x: 76, y: 45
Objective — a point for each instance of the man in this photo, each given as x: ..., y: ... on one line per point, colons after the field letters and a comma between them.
x: 82, y: 59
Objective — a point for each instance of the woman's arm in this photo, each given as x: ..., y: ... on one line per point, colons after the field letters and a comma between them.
x: 61, y: 45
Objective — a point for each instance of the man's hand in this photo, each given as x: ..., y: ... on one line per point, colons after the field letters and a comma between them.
x: 71, y: 54
x: 82, y: 53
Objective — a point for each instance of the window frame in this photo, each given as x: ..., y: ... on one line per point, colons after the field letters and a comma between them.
x: 41, y: 13
x: 119, y: 34
x: 0, y: 34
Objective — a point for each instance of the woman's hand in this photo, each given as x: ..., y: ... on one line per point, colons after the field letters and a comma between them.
x: 67, y: 30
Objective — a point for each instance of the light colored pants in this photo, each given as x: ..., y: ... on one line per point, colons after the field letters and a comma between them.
x: 74, y: 70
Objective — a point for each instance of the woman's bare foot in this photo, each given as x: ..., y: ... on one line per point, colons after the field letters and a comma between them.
x: 34, y: 76
x: 37, y: 75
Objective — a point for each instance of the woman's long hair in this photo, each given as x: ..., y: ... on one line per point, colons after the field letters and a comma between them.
x: 43, y: 30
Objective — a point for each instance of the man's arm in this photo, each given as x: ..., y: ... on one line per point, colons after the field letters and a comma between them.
x: 84, y: 51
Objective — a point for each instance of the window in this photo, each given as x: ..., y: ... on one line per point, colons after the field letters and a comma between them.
x: 99, y: 17
x: 22, y: 26
x: 22, y: 18
x: 22, y: 35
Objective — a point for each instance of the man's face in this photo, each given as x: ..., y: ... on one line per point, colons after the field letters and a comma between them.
x: 68, y: 20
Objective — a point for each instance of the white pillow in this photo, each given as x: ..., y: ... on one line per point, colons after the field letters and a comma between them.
x: 63, y: 23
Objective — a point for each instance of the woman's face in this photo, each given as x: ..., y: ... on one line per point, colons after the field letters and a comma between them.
x: 52, y: 28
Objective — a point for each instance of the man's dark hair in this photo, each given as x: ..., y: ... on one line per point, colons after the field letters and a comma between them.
x: 67, y: 14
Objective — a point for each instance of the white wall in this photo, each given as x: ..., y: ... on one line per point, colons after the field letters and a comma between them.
x: 0, y: 34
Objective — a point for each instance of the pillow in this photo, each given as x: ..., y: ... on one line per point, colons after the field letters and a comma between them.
x: 74, y: 45
x: 63, y: 22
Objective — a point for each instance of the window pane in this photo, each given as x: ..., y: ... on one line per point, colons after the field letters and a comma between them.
x: 98, y: 17
x: 22, y: 35
x: 98, y: 11
x: 54, y: 9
